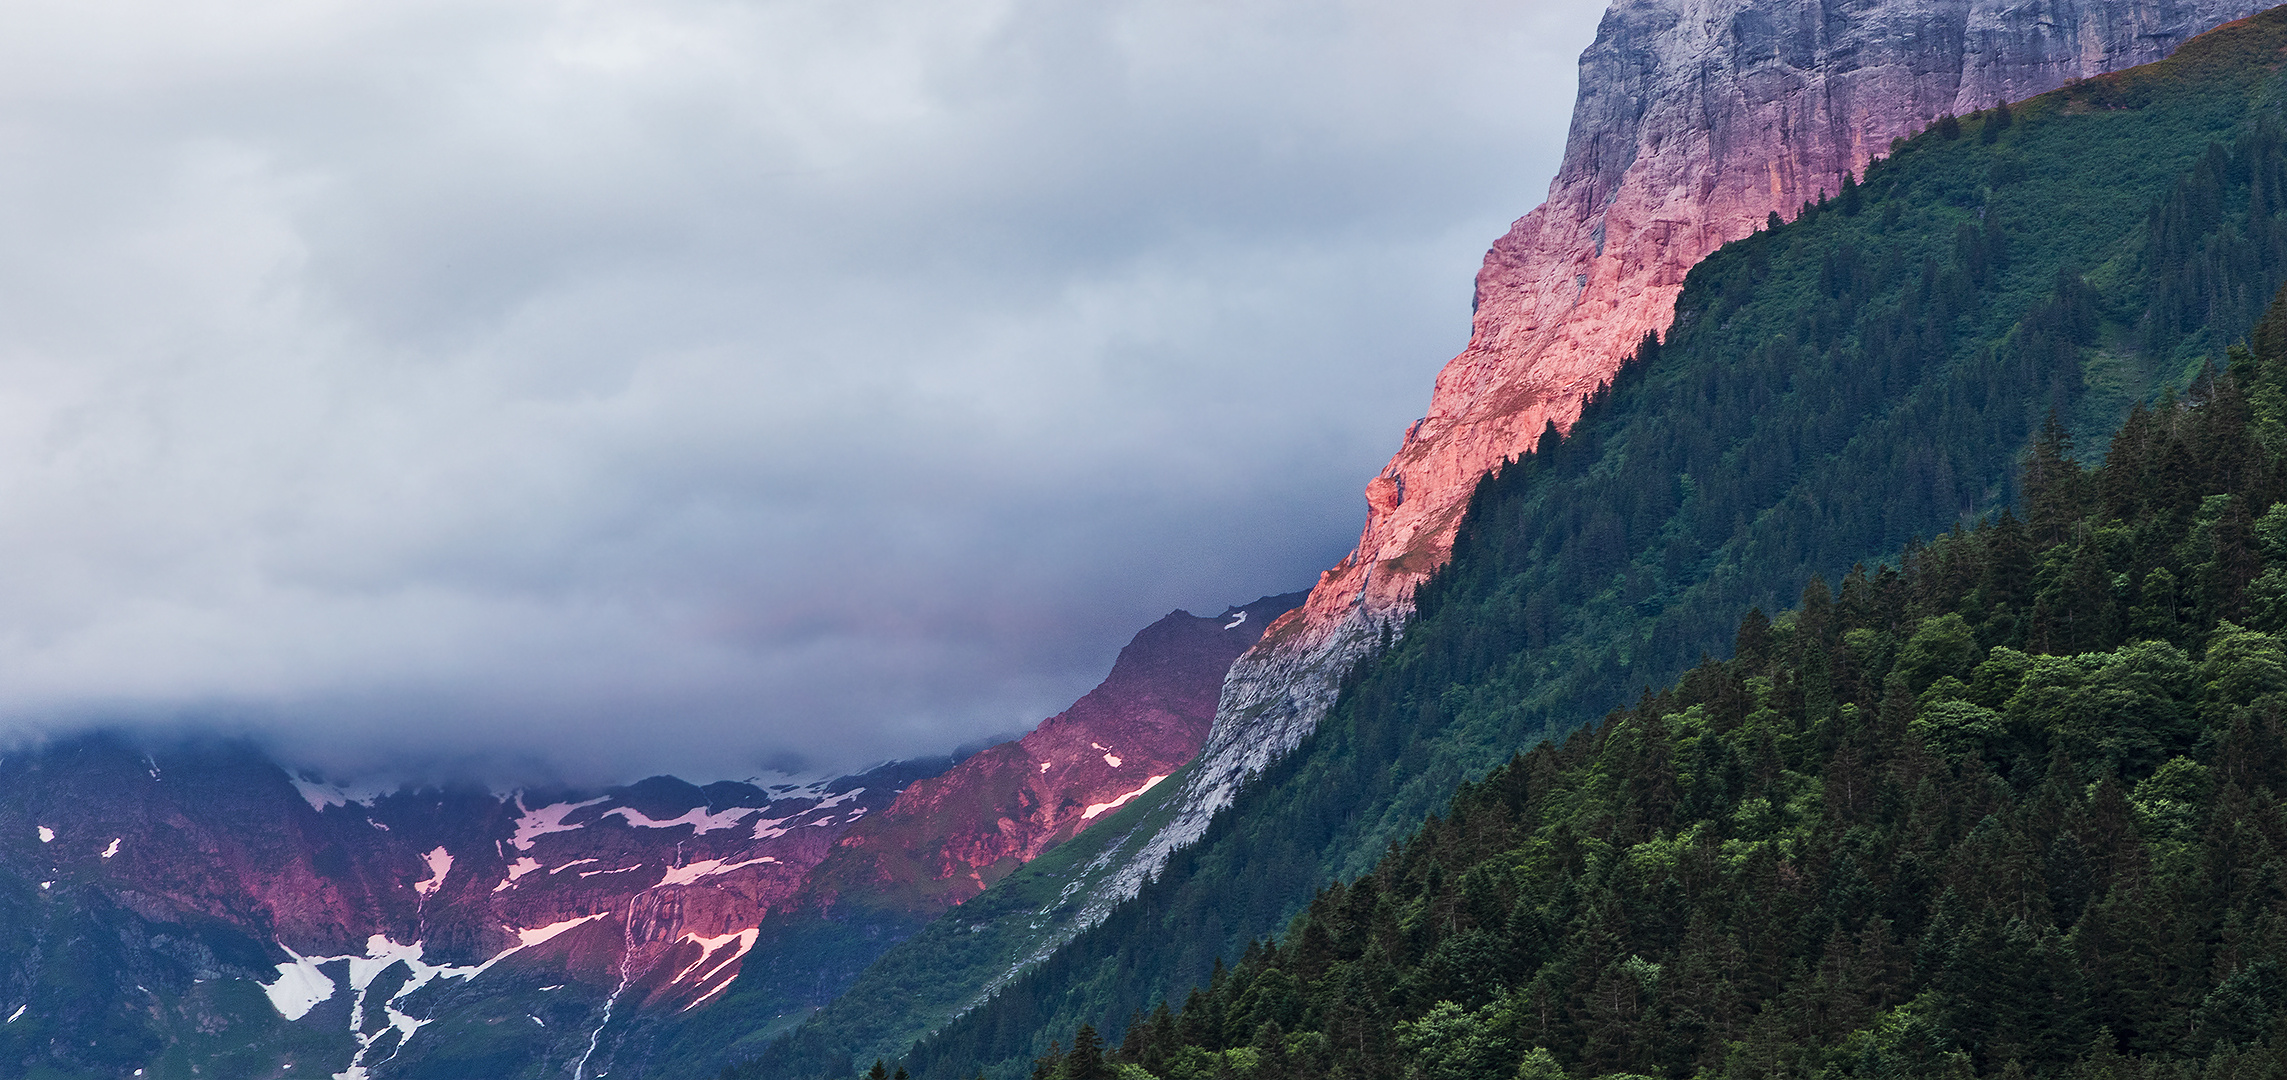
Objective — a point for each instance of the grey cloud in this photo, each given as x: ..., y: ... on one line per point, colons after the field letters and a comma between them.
x: 620, y: 387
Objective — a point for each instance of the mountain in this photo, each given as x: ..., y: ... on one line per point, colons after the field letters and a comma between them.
x: 1831, y: 388
x: 194, y: 908
x: 195, y: 905
x: 1695, y: 124
x: 1971, y: 817
x: 944, y: 839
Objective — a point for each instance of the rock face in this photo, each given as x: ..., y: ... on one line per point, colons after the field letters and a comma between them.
x: 1695, y: 121
x: 461, y: 931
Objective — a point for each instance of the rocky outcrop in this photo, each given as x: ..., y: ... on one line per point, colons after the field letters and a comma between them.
x: 1696, y: 120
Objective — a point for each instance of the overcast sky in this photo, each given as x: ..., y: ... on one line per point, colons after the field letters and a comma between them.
x: 617, y: 386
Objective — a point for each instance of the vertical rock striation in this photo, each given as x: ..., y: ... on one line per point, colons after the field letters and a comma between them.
x: 1695, y: 121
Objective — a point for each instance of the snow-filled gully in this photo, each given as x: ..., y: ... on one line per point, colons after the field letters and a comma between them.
x: 302, y: 985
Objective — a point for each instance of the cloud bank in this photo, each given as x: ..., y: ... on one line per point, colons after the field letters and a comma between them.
x: 609, y: 387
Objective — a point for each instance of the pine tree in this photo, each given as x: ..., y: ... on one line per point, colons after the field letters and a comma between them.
x: 1049, y: 1066
x: 1086, y: 1059
x: 2052, y: 482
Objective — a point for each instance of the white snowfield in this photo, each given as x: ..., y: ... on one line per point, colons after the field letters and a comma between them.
x: 535, y: 824
x: 772, y: 828
x: 707, y: 967
x: 1098, y: 808
x: 687, y: 874
x: 699, y: 819
x: 440, y: 863
x: 302, y: 985
x: 517, y: 869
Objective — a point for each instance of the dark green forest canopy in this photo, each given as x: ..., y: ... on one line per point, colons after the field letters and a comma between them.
x: 1832, y: 387
x: 2012, y: 809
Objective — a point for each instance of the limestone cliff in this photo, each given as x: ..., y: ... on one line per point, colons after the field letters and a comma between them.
x: 1695, y: 121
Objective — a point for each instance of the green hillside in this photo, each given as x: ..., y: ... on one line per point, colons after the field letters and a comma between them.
x: 1832, y: 388
x: 2012, y: 809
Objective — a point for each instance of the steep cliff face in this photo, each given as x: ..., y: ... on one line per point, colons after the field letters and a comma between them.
x: 1695, y: 121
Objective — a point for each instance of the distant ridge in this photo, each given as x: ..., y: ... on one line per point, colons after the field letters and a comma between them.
x: 165, y: 905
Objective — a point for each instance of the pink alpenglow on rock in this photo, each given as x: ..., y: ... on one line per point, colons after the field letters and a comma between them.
x: 1696, y: 120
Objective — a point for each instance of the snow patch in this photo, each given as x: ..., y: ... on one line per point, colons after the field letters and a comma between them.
x: 699, y: 819
x: 569, y: 865
x: 19, y: 1012
x: 440, y: 863
x: 1045, y: 764
x: 300, y: 986
x: 772, y: 828
x: 535, y: 824
x: 1234, y: 624
x: 833, y: 801
x: 517, y: 869
x: 1112, y: 760
x: 685, y: 875
x: 707, y: 968
x: 621, y: 870
x: 113, y: 849
x: 538, y: 935
x: 47, y: 835
x: 1098, y: 808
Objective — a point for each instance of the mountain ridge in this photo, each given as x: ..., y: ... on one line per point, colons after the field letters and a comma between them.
x: 1837, y: 385
x: 1638, y: 170
x: 1665, y: 162
x: 267, y: 922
